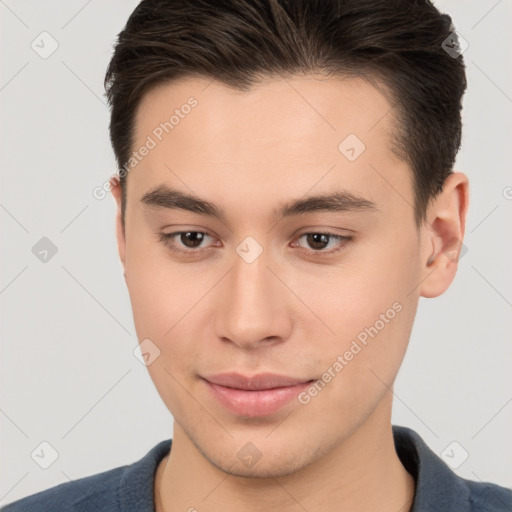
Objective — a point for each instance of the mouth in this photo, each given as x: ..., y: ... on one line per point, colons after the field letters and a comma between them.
x: 255, y: 396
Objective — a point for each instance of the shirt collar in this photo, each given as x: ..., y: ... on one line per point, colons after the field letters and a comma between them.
x: 438, y: 488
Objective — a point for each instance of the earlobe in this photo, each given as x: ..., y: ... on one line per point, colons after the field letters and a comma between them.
x: 442, y: 235
x: 115, y: 188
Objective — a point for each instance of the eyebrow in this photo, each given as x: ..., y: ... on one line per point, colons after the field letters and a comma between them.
x: 166, y: 197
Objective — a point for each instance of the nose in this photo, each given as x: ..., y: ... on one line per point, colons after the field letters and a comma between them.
x: 253, y: 305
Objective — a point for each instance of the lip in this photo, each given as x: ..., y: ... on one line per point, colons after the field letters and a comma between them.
x: 254, y: 396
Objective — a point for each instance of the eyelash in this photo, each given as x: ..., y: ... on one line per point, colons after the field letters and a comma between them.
x: 165, y: 239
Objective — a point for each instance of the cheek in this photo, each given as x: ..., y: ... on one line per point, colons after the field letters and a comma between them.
x: 369, y: 310
x: 360, y: 365
x: 351, y: 295
x: 168, y: 300
x: 152, y: 302
x: 162, y: 299
x: 159, y: 290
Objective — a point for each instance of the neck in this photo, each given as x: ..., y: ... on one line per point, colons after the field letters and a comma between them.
x: 362, y: 473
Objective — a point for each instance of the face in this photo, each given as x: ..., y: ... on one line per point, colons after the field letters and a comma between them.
x: 271, y: 276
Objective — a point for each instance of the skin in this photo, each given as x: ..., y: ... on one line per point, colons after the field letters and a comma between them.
x: 288, y: 312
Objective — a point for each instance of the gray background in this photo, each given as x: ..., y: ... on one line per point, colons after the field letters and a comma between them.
x: 68, y: 373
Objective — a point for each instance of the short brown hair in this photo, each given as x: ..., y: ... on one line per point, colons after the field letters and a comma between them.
x: 239, y: 42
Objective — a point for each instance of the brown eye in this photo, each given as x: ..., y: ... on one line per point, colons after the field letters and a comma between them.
x: 184, y: 241
x: 191, y: 239
x: 318, y: 242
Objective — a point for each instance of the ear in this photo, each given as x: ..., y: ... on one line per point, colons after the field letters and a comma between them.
x: 115, y: 188
x: 442, y: 234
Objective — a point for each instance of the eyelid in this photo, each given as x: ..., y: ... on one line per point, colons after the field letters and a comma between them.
x: 343, y: 241
x: 165, y: 239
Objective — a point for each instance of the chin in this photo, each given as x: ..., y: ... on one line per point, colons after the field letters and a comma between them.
x: 263, y: 459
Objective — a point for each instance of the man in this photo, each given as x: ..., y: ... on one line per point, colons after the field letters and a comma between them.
x: 285, y: 196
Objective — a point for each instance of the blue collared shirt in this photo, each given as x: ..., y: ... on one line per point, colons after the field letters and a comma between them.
x: 130, y: 488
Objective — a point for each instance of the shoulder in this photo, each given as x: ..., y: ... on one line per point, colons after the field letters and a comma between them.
x: 488, y: 497
x: 125, y: 488
x: 438, y: 487
x: 95, y: 492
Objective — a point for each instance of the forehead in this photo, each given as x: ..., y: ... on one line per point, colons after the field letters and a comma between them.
x: 290, y: 130
x: 304, y: 106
